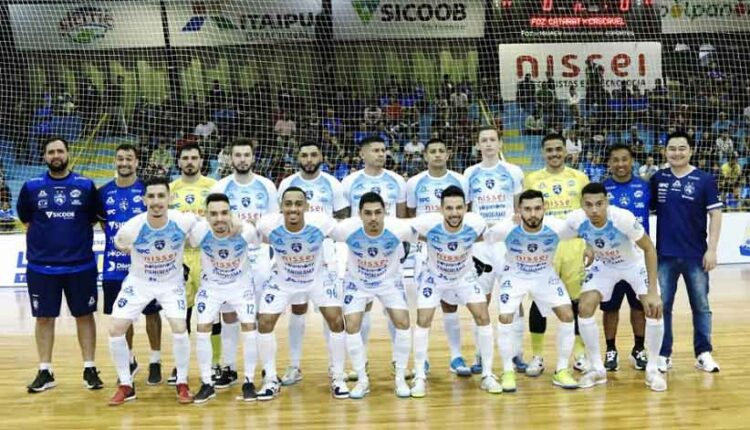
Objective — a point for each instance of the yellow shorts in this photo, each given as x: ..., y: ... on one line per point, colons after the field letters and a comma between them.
x: 569, y: 265
x: 193, y: 261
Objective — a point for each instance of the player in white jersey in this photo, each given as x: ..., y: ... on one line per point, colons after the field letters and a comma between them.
x: 617, y: 239
x: 449, y: 273
x: 531, y: 248
x: 297, y: 237
x: 250, y: 197
x: 324, y: 194
x: 423, y: 194
x: 494, y: 186
x: 156, y: 243
x: 373, y: 269
x: 226, y: 279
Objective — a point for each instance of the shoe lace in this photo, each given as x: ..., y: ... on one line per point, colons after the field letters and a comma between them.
x: 641, y: 355
x: 611, y: 355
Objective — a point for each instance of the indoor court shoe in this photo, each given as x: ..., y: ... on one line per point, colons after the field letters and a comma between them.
x: 664, y: 364
x: 216, y: 373
x: 535, y: 366
x: 352, y: 376
x: 91, y: 379
x: 172, y: 380
x: 124, y: 393
x: 706, y: 363
x: 612, y: 361
x: 227, y: 379
x: 418, y: 388
x: 269, y: 390
x: 134, y: 367
x: 44, y: 381
x: 154, y: 374
x: 459, y: 367
x: 519, y: 364
x: 656, y: 381
x: 339, y: 390
x: 205, y: 394
x: 476, y: 368
x: 593, y: 377
x: 184, y: 396
x: 564, y: 379
x: 402, y: 388
x: 508, y: 382
x: 248, y: 392
x: 581, y: 364
x: 491, y: 385
x: 360, y: 390
x: 638, y: 359
x: 408, y: 373
x: 292, y: 375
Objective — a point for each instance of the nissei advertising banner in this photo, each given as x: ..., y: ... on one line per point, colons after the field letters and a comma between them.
x: 237, y: 22
x: 634, y: 62
x: 407, y: 19
x: 704, y: 16
x: 90, y: 25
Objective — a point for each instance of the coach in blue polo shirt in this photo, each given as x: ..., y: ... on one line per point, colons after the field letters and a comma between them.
x: 682, y: 195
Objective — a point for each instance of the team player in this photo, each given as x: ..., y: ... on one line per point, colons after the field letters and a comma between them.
x: 630, y: 192
x: 449, y: 273
x: 226, y: 280
x: 58, y: 209
x: 529, y: 269
x: 189, y: 193
x: 373, y: 269
x: 297, y: 237
x: 494, y: 186
x: 615, y: 235
x: 120, y: 200
x: 250, y: 196
x: 324, y: 194
x: 155, y: 241
x: 561, y: 187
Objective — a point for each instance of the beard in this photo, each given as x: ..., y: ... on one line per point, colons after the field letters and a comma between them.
x: 58, y: 169
x: 311, y: 169
x: 532, y: 225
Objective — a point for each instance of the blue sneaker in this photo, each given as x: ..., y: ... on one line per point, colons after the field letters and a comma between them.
x: 476, y: 368
x: 459, y: 367
x: 519, y: 364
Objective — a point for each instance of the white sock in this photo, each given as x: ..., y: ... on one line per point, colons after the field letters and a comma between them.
x: 118, y: 349
x: 519, y: 327
x: 505, y: 345
x: 230, y: 337
x: 421, y: 345
x: 654, y: 336
x: 565, y: 339
x: 45, y: 366
x: 475, y: 332
x: 296, y: 334
x: 267, y: 354
x: 452, y: 326
x: 590, y: 335
x: 484, y: 341
x: 181, y: 352
x: 365, y: 330
x: 401, y: 348
x: 155, y: 357
x: 87, y: 364
x: 357, y: 354
x: 338, y: 353
x: 327, y: 336
x: 392, y: 333
x: 204, y: 350
x: 250, y: 353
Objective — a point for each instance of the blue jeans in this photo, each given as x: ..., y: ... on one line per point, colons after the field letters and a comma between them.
x: 696, y: 280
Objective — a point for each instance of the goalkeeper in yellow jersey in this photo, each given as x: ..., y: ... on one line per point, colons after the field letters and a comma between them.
x: 189, y: 193
x: 561, y: 186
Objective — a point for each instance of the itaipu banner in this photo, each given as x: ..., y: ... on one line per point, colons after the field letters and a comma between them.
x: 704, y: 16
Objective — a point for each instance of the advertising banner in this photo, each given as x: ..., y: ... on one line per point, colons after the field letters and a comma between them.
x: 704, y: 16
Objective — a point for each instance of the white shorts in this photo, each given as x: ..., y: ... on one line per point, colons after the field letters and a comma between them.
x: 356, y: 296
x: 463, y: 291
x: 545, y: 288
x: 493, y: 255
x: 260, y: 265
x: 278, y: 295
x: 603, y: 278
x: 211, y: 299
x: 419, y: 250
x: 135, y: 294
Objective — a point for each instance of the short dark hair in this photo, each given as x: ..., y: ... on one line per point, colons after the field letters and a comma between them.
x: 371, y: 197
x: 241, y: 141
x: 435, y: 141
x: 292, y: 190
x: 52, y: 139
x: 680, y: 134
x: 530, y: 195
x: 618, y: 146
x: 370, y: 140
x: 190, y: 147
x: 156, y: 180
x: 553, y: 136
x: 217, y: 197
x: 594, y: 188
x: 487, y: 128
x: 127, y: 147
x: 308, y: 143
x: 452, y: 191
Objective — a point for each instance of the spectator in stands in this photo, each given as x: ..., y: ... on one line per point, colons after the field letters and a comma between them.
x: 285, y: 130
x: 393, y: 110
x: 342, y: 168
x: 534, y: 124
x: 731, y: 173
x: 723, y: 123
x: 414, y: 146
x: 525, y: 94
x: 161, y: 160
x: 594, y: 168
x: 225, y: 162
x: 547, y: 99
x: 745, y: 194
x: 216, y: 97
x: 332, y: 123
x: 6, y: 212
x: 724, y: 145
x: 373, y: 113
x: 636, y: 145
x: 648, y: 169
x: 113, y: 95
x: 573, y: 146
x: 574, y: 100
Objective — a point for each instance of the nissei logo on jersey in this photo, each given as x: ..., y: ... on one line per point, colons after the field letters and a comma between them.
x: 60, y: 215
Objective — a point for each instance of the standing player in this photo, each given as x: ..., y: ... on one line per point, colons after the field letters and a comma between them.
x: 120, y: 200
x: 58, y: 209
x: 529, y: 261
x: 630, y: 192
x: 494, y: 186
x: 561, y: 187
x: 450, y: 274
x: 155, y: 241
x: 423, y: 196
x: 324, y: 194
x: 615, y: 235
x: 297, y: 238
x: 373, y: 269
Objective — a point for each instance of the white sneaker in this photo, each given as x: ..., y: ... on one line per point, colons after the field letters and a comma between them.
x: 419, y: 387
x: 535, y: 367
x: 360, y: 390
x: 491, y: 385
x: 339, y: 390
x: 656, y: 381
x: 292, y: 375
x: 402, y: 388
x: 593, y: 377
x: 664, y: 364
x: 706, y: 363
x: 581, y: 364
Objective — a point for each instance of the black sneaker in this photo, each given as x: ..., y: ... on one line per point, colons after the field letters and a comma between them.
x: 248, y: 392
x: 638, y: 358
x: 205, y: 394
x: 269, y: 390
x: 612, y: 360
x: 172, y: 380
x: 91, y: 379
x: 216, y: 369
x: 44, y: 381
x: 227, y: 379
x: 134, y: 367
x: 154, y: 374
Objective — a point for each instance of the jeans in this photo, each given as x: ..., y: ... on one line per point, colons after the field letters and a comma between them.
x: 696, y: 280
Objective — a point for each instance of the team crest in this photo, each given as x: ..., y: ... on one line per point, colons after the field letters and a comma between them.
x: 245, y: 202
x: 296, y: 247
x: 490, y: 183
x: 123, y: 205
x: 427, y: 292
x: 189, y: 199
x: 223, y: 253
x: 269, y: 298
x: 60, y: 198
x: 689, y: 188
x: 624, y: 201
x: 201, y: 307
x: 348, y: 299
x: 372, y: 252
x: 599, y: 242
x: 309, y: 194
x: 159, y: 244
x: 452, y: 246
x: 438, y: 192
x: 375, y: 190
x: 532, y: 247
x: 504, y: 298
x: 557, y: 189
x: 122, y: 302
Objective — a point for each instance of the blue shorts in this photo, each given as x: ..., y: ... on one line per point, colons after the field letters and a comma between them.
x: 622, y: 290
x: 45, y: 292
x: 111, y: 289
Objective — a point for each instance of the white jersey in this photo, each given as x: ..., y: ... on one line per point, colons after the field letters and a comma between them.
x: 324, y: 193
x: 299, y: 256
x: 530, y: 254
x: 249, y: 201
x: 614, y: 243
x: 373, y: 261
x: 390, y: 185
x: 224, y: 261
x: 449, y: 254
x: 492, y: 190
x: 423, y: 191
x: 156, y: 254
